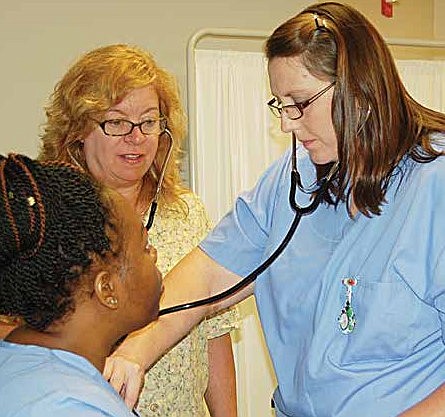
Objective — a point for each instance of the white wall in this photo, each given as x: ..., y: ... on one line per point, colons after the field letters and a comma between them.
x: 41, y: 38
x: 439, y: 12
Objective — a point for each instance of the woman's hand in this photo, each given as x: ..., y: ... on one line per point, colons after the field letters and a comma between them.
x: 123, y: 369
x: 126, y: 376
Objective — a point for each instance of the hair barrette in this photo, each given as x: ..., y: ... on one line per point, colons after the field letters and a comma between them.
x: 319, y: 22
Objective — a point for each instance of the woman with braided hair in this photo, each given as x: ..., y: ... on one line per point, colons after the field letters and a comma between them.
x: 77, y: 281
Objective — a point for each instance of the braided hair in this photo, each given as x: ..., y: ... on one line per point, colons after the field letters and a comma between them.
x: 54, y: 223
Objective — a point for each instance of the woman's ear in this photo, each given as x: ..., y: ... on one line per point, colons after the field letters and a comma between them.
x: 105, y: 290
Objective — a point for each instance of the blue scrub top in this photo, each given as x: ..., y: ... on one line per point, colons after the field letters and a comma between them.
x: 395, y: 356
x: 41, y: 382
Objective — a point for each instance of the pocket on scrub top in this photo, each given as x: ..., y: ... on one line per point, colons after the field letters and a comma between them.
x: 386, y: 318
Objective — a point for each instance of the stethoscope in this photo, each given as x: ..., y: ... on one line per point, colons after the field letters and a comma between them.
x: 317, y: 193
x: 154, y: 202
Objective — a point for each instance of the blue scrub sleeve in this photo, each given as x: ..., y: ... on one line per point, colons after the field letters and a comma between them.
x: 239, y: 239
x: 420, y: 248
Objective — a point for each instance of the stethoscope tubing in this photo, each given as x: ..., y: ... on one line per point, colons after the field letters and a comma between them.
x: 154, y: 203
x: 245, y: 281
x: 299, y: 213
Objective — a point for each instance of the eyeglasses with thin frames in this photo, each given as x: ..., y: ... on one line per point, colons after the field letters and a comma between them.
x: 295, y: 111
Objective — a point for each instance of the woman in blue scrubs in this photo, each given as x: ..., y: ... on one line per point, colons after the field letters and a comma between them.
x: 76, y: 279
x: 353, y: 310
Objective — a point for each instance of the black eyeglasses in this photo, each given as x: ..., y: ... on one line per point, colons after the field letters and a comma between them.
x: 122, y: 127
x: 295, y: 111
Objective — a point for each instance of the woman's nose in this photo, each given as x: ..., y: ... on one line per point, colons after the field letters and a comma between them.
x: 288, y: 125
x: 136, y: 136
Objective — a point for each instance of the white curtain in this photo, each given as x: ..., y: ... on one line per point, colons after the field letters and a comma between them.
x: 233, y: 138
x: 233, y: 147
x: 425, y: 81
x: 237, y: 138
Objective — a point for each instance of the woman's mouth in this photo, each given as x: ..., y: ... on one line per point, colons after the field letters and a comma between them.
x: 132, y: 158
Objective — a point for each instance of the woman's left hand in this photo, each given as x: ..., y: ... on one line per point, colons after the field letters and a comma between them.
x: 126, y: 376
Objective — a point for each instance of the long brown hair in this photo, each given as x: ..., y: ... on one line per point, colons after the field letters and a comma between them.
x: 98, y: 81
x: 375, y: 120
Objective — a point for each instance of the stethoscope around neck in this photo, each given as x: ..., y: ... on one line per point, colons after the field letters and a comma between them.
x: 154, y: 202
x: 295, y: 182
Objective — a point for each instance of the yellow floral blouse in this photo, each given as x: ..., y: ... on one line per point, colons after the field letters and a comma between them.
x: 175, y: 385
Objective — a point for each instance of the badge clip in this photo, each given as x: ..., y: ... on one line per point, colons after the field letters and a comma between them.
x: 346, y: 320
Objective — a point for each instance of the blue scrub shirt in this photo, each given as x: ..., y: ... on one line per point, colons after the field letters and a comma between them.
x: 395, y: 356
x: 40, y: 382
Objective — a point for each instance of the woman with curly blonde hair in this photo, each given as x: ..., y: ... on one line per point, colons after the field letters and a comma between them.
x: 118, y: 115
x: 90, y: 88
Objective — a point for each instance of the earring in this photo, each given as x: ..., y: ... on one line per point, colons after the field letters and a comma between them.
x: 112, y: 301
